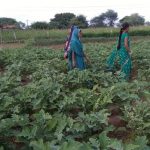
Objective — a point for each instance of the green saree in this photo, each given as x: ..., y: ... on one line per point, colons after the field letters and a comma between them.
x: 121, y: 58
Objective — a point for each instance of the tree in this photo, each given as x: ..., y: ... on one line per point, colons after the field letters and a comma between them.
x: 7, y: 21
x: 40, y: 25
x: 110, y: 17
x: 133, y: 20
x: 20, y: 25
x: 105, y: 19
x: 10, y: 23
x: 53, y: 25
x: 61, y: 21
x: 79, y: 21
x: 97, y: 21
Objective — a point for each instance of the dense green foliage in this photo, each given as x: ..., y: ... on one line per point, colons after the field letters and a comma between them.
x: 65, y: 20
x: 79, y: 21
x: 11, y: 23
x: 61, y: 21
x: 133, y: 20
x: 106, y: 19
x: 7, y: 21
x: 44, y: 107
x: 40, y: 25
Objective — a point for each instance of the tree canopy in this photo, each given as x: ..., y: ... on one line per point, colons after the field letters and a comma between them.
x: 7, y: 21
x: 11, y: 22
x: 97, y: 21
x: 105, y: 19
x: 79, y: 21
x: 64, y: 20
x: 61, y: 21
x: 133, y: 20
x: 40, y: 25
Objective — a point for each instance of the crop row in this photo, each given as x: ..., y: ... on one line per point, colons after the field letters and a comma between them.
x: 43, y: 106
x: 59, y: 35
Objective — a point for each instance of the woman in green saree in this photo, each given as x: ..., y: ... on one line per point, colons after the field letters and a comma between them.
x: 121, y: 56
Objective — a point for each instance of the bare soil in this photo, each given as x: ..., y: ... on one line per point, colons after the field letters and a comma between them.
x: 11, y: 45
x: 116, y: 120
x: 2, y: 69
x: 134, y: 72
x: 25, y: 80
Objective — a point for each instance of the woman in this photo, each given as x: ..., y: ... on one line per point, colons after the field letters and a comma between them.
x: 75, y: 53
x: 121, y: 56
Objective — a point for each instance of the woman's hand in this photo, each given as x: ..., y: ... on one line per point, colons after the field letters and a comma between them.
x: 65, y: 55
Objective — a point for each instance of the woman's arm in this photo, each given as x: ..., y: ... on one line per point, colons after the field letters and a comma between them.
x: 86, y: 57
x: 126, y: 44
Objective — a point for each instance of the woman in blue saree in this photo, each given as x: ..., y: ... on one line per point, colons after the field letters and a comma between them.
x: 121, y: 56
x: 75, y: 52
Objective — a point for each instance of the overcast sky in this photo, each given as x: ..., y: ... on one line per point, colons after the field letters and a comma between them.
x: 44, y: 10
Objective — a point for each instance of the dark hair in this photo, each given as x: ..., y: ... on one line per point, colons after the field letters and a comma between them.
x: 124, y: 26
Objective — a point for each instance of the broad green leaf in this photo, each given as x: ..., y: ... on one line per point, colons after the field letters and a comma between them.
x: 131, y: 147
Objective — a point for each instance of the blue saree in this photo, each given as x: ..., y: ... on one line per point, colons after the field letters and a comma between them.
x: 76, y: 53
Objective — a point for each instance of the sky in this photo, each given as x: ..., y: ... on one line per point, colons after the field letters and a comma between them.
x: 43, y: 10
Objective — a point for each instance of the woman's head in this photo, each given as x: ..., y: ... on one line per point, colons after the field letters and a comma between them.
x: 76, y: 32
x: 125, y: 27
